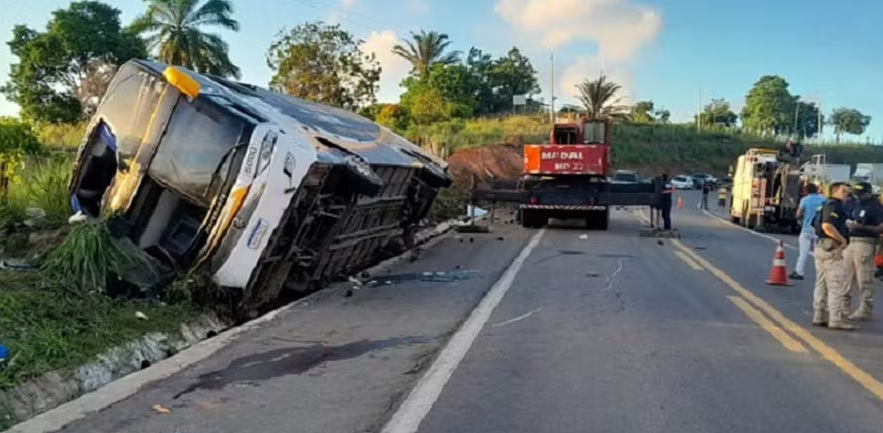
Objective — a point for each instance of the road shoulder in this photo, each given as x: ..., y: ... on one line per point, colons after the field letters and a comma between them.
x: 331, y: 363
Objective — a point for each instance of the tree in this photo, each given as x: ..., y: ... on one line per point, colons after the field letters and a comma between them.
x: 428, y: 106
x: 322, y: 63
x: 717, y: 113
x: 769, y: 106
x: 427, y: 49
x: 481, y: 65
x: 63, y: 71
x: 662, y: 115
x: 447, y: 91
x: 511, y: 75
x: 394, y: 116
x: 808, y: 119
x: 599, y: 99
x: 850, y: 121
x: 173, y: 29
x: 642, y: 112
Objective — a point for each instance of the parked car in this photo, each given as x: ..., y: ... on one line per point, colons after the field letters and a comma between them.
x: 625, y: 177
x: 682, y: 182
x: 700, y: 179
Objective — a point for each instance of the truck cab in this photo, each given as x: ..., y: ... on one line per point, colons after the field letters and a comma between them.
x: 568, y: 177
x: 574, y: 148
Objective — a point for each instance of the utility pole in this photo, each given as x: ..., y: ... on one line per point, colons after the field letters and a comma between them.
x: 699, y: 112
x: 552, y: 88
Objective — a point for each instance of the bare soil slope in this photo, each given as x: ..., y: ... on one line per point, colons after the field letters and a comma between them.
x: 488, y: 164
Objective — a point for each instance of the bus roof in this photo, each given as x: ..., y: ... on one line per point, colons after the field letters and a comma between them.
x: 357, y: 134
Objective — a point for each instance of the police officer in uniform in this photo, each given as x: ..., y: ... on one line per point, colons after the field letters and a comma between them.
x: 667, y: 191
x: 865, y: 226
x: 831, y: 295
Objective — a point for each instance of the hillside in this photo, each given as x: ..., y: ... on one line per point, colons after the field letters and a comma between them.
x: 490, y: 148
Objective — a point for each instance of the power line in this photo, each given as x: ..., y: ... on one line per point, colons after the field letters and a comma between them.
x: 364, y: 21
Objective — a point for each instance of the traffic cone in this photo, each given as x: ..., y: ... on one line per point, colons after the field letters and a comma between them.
x: 779, y: 271
x: 680, y: 202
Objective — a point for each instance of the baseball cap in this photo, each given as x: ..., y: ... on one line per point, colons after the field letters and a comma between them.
x: 862, y: 188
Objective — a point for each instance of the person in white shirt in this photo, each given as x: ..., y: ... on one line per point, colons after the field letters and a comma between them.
x: 806, y: 211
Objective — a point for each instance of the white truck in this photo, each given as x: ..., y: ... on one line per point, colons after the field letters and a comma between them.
x: 869, y: 172
x: 817, y: 170
x: 268, y: 194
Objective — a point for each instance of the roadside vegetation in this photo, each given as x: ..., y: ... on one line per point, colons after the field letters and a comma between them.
x: 56, y: 315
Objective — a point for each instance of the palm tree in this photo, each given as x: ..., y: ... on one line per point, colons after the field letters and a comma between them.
x: 173, y: 29
x: 427, y: 49
x: 599, y: 99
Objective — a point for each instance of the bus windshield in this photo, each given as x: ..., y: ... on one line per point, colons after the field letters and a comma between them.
x: 192, y: 148
x: 128, y: 106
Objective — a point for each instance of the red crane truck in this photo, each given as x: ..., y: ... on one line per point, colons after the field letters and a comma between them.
x: 568, y: 178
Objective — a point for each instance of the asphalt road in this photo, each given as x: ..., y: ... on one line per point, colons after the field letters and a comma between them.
x: 657, y: 347
x: 596, y: 332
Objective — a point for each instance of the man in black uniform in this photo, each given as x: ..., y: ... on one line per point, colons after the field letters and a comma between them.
x: 706, y: 189
x: 865, y: 226
x: 667, y: 190
x: 831, y: 295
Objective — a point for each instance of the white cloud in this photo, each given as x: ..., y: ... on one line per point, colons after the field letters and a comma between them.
x: 591, y: 67
x: 618, y: 28
x: 347, y: 4
x: 394, y: 67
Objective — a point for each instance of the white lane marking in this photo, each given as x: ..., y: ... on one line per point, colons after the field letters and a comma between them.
x: 765, y: 236
x: 521, y: 317
x: 410, y: 414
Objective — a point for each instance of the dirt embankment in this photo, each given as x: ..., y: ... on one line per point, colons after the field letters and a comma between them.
x: 487, y: 164
x: 504, y: 162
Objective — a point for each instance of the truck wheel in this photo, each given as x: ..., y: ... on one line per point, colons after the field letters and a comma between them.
x: 604, y: 219
x: 532, y: 219
x: 598, y: 220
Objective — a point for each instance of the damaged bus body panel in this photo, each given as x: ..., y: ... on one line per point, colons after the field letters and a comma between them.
x: 270, y: 194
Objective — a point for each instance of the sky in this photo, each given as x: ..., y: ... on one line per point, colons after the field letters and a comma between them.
x: 673, y: 52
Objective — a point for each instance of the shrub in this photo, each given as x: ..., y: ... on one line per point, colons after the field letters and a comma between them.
x: 61, y: 136
x: 17, y: 140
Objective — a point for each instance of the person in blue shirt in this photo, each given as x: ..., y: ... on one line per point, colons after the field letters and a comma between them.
x: 806, y: 211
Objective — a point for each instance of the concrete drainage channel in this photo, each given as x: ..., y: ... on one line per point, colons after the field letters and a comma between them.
x: 73, y: 393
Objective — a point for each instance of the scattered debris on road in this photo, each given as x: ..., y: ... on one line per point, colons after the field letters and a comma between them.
x: 161, y: 409
x: 435, y: 277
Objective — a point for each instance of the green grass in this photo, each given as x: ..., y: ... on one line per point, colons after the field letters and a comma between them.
x: 46, y: 327
x: 633, y: 144
x: 449, y: 203
x: 89, y: 257
x: 42, y: 184
x: 59, y: 317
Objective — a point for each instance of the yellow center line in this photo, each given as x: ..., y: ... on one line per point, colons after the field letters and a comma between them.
x: 789, y: 342
x: 690, y: 262
x: 862, y: 377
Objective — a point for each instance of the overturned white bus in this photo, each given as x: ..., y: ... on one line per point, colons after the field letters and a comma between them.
x: 267, y: 193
